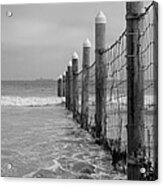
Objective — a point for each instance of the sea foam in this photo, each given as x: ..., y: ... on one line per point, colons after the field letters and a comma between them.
x: 30, y: 101
x: 46, y: 101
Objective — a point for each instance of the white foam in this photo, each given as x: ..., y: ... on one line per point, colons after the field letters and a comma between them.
x: 30, y: 101
x: 55, y: 166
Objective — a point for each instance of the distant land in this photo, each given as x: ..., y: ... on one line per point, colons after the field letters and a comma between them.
x: 39, y: 79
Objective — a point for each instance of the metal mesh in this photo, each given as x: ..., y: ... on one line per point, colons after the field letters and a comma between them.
x: 91, y: 92
x: 117, y: 92
x: 116, y: 88
x: 79, y: 91
x: 146, y: 57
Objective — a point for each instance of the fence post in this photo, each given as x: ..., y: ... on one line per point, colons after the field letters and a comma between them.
x: 70, y: 86
x: 64, y: 84
x: 85, y: 84
x: 61, y: 77
x: 100, y: 73
x: 155, y: 76
x: 135, y: 127
x: 75, y: 84
x: 67, y: 92
x: 60, y: 86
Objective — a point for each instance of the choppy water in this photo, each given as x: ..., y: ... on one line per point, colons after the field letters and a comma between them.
x: 40, y: 139
x: 43, y: 93
x: 45, y: 142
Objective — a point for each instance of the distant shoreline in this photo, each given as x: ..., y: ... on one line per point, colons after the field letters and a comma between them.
x: 38, y: 80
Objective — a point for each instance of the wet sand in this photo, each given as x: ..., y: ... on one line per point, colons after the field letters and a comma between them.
x: 45, y: 142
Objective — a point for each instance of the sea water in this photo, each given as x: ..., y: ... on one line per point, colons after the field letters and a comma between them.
x: 40, y: 139
x: 29, y: 93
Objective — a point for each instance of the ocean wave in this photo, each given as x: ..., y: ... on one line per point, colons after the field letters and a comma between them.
x: 46, y: 101
x: 30, y: 101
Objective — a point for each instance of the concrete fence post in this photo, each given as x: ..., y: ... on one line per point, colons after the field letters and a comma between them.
x: 60, y: 86
x: 135, y: 94
x: 155, y: 76
x: 70, y: 96
x: 85, y: 84
x: 75, y: 95
x: 100, y: 73
x: 66, y: 103
x: 64, y: 84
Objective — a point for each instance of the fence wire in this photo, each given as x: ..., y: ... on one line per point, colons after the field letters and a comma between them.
x: 116, y: 87
x: 146, y: 57
x: 117, y: 93
x: 79, y: 92
x: 92, y: 99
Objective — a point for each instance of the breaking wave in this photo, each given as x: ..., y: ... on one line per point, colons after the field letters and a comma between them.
x: 47, y: 101
x: 30, y: 101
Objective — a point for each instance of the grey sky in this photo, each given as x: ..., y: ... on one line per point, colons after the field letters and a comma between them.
x: 38, y: 40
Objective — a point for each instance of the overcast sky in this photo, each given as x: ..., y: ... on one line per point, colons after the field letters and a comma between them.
x: 38, y: 40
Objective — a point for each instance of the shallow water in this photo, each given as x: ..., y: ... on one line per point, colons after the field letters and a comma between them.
x: 46, y: 142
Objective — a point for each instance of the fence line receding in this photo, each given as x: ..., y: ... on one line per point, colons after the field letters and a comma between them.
x: 115, y: 98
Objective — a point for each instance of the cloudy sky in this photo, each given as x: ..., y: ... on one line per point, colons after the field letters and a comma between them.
x: 39, y: 39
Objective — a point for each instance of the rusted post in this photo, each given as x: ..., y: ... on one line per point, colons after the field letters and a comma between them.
x: 100, y: 73
x: 85, y: 84
x: 155, y: 76
x: 75, y: 84
x: 135, y: 93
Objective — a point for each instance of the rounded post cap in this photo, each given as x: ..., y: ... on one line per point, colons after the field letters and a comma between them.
x: 87, y: 43
x: 75, y: 55
x: 100, y: 18
x: 60, y: 77
x: 70, y: 63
